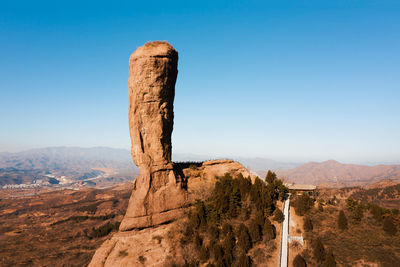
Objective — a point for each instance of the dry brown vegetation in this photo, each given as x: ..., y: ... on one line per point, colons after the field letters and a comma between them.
x: 388, y: 197
x: 364, y: 240
x: 59, y: 228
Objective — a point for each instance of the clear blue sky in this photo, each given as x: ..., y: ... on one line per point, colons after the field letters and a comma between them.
x: 288, y: 80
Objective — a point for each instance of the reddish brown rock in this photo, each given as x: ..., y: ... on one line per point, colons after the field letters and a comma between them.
x: 201, y: 180
x: 152, y: 76
x: 158, y: 193
x: 164, y: 190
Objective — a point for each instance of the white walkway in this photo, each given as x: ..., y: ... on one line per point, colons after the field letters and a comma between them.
x: 284, y: 235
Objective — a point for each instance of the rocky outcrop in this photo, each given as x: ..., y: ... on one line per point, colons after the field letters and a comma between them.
x: 153, y: 69
x: 156, y: 246
x: 159, y: 194
x: 164, y: 190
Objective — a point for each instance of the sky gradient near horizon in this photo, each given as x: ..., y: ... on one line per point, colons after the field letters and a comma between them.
x: 287, y: 80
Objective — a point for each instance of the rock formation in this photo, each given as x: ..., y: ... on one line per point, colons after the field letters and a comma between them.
x: 155, y: 244
x: 159, y: 193
x: 153, y: 69
x: 164, y: 190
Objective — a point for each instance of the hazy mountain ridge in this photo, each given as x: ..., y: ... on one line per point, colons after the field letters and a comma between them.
x: 67, y: 157
x: 334, y: 173
x: 257, y: 164
x: 73, y: 162
x: 262, y: 165
x: 105, y: 157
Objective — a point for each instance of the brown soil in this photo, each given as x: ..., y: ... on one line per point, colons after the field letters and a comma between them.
x: 56, y: 228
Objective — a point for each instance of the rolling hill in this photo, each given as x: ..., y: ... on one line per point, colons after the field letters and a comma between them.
x: 335, y: 174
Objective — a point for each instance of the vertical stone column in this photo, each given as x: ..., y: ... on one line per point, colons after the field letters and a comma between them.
x: 157, y: 195
x: 153, y: 69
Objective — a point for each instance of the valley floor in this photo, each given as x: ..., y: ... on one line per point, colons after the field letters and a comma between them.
x: 59, y: 227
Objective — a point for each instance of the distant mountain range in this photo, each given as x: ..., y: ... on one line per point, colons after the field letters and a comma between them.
x: 73, y: 162
x: 76, y: 161
x: 335, y: 174
x: 66, y: 158
x: 256, y: 164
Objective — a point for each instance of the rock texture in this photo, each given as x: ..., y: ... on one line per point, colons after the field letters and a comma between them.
x: 159, y: 193
x: 147, y: 247
x: 157, y: 245
x: 153, y: 69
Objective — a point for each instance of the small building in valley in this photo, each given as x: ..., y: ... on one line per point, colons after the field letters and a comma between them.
x: 299, y: 189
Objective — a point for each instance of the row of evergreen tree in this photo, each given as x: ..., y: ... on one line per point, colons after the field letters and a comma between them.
x: 233, y: 219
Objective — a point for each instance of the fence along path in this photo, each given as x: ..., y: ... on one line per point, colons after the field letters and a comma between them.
x: 284, y: 236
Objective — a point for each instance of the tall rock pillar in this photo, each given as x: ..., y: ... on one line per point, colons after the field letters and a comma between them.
x: 158, y: 195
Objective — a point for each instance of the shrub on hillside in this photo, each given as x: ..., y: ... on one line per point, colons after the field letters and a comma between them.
x: 308, y: 226
x: 356, y: 208
x: 377, y: 212
x: 197, y: 240
x: 388, y: 226
x: 104, y: 229
x: 319, y: 250
x: 228, y: 246
x: 329, y: 260
x: 227, y: 229
x: 92, y: 208
x: 342, y: 221
x: 204, y: 254
x: 277, y: 185
x: 187, y: 234
x: 299, y: 261
x: 244, y: 240
x: 260, y: 218
x: 244, y: 260
x: 278, y: 215
x: 351, y: 203
x: 270, y: 177
x: 217, y: 252
x: 358, y: 213
x: 255, y: 231
x: 213, y: 232
x: 263, y: 196
x: 269, y: 230
x: 245, y: 212
x: 235, y: 203
x: 199, y: 213
x: 303, y: 204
